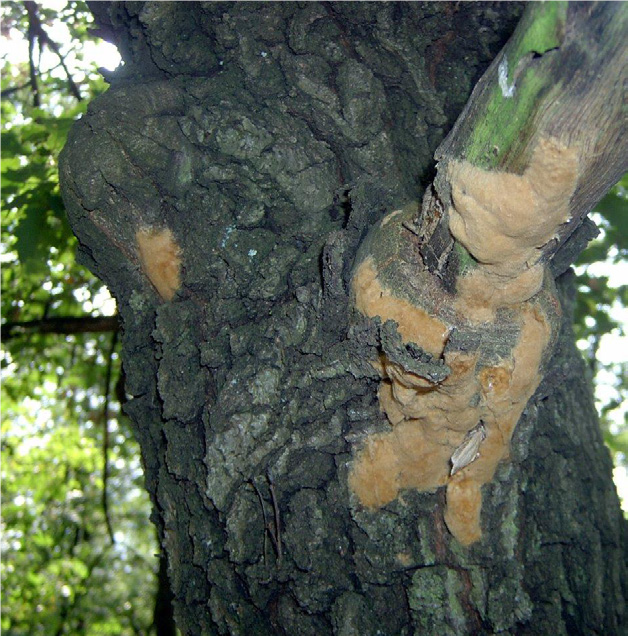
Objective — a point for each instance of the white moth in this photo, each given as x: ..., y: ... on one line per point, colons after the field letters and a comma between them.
x: 469, y: 450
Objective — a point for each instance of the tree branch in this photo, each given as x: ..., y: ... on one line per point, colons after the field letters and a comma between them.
x: 14, y: 89
x: 36, y: 31
x: 560, y: 77
x: 60, y: 325
x: 31, y: 9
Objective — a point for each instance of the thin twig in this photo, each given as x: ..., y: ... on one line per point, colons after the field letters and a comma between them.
x: 14, y: 89
x: 32, y: 36
x: 264, y: 519
x: 277, y: 533
x: 36, y: 31
x: 59, y: 324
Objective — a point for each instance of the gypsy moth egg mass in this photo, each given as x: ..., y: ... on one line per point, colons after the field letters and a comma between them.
x: 455, y: 432
x: 160, y: 259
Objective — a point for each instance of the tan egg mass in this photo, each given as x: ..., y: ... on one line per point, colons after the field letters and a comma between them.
x: 160, y: 259
x: 502, y: 220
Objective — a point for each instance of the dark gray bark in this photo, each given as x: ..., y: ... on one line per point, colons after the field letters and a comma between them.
x: 269, y: 138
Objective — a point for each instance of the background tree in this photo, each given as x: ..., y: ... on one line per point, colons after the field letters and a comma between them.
x: 601, y: 302
x: 78, y: 551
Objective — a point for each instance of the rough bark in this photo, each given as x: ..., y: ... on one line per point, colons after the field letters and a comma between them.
x: 268, y: 139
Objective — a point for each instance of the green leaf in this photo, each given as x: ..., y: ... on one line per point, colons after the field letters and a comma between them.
x: 33, y: 239
x: 11, y: 144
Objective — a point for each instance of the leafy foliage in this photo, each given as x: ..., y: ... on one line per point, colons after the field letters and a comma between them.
x: 61, y: 572
x: 600, y: 311
x: 58, y: 559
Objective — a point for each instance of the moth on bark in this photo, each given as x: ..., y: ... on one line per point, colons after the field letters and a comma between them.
x: 469, y: 450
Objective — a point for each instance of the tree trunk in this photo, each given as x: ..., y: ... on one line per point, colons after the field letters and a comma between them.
x: 222, y: 187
